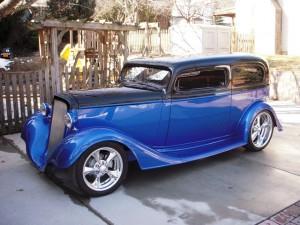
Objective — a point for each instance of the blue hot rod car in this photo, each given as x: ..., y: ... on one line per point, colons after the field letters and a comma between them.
x: 166, y: 111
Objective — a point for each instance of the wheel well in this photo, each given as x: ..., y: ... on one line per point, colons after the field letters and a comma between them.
x: 131, y: 156
x: 272, y: 116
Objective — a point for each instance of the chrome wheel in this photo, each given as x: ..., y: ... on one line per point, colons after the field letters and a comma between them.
x: 102, y: 169
x: 261, y: 130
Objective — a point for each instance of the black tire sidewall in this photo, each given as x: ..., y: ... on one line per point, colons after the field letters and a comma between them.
x: 79, y: 167
x: 251, y: 146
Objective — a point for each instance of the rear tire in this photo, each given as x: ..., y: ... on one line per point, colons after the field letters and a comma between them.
x: 101, y: 169
x: 261, y: 131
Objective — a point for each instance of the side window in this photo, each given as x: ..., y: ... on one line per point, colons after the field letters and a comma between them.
x: 246, y: 75
x: 202, y: 79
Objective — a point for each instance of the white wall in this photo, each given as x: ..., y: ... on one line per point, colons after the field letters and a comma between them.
x: 290, y: 26
x: 258, y: 17
x: 190, y: 39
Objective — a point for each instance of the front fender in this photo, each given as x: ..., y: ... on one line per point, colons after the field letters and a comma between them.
x: 35, y: 133
x: 245, y: 122
x: 76, y: 144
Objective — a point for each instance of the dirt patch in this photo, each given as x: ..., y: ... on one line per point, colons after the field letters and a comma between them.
x: 31, y: 63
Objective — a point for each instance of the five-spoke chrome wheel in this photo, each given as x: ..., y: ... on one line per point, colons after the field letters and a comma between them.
x: 261, y: 131
x: 102, y: 169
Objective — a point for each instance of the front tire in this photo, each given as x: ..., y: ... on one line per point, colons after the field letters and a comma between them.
x: 101, y: 169
x: 261, y: 131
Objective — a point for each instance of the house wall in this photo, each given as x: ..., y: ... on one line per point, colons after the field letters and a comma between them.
x: 190, y: 39
x: 290, y: 26
x: 259, y: 18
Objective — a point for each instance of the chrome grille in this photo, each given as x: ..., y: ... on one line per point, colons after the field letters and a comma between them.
x: 57, y: 125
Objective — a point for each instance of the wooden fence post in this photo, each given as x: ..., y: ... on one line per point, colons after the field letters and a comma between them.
x: 55, y: 61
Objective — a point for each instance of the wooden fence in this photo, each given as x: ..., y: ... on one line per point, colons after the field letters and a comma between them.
x: 158, y: 41
x: 242, y: 42
x: 21, y: 95
x: 23, y: 92
x: 90, y: 77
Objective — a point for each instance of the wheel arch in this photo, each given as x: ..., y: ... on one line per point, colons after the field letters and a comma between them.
x: 76, y: 144
x: 131, y: 155
x: 249, y: 115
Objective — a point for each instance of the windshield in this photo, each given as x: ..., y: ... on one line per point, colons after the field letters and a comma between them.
x: 154, y: 78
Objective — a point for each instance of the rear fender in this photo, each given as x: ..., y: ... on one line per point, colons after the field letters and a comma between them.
x: 249, y: 115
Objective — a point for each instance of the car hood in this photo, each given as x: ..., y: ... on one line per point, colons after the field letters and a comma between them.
x: 108, y: 96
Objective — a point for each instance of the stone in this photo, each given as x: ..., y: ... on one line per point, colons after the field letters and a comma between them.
x: 282, y: 218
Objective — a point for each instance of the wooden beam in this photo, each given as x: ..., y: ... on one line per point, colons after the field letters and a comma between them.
x: 71, y: 39
x: 55, y: 60
x: 41, y: 44
x: 87, y: 26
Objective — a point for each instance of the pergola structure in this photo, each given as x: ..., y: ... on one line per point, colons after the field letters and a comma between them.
x: 95, y: 53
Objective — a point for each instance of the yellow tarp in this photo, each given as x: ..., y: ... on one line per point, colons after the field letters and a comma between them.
x: 66, y: 53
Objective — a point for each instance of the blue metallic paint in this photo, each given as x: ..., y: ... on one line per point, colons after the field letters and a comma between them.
x: 196, y: 119
x: 91, y: 128
x: 36, y: 133
x: 157, y: 133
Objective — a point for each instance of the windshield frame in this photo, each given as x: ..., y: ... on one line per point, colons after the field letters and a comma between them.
x: 146, y: 85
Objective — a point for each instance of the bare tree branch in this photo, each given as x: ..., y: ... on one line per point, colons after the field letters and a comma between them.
x: 194, y: 9
x: 7, y: 7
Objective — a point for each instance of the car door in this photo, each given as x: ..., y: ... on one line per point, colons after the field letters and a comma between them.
x: 200, y: 106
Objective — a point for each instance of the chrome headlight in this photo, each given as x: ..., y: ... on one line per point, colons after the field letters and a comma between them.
x: 68, y: 120
x: 45, y: 109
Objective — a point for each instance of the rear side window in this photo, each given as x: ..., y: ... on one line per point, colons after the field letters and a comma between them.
x: 202, y: 79
x: 247, y: 75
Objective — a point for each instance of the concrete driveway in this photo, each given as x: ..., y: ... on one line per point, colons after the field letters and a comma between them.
x: 236, y: 187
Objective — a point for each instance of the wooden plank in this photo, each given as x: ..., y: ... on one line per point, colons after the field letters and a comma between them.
x: 41, y: 87
x: 105, y: 57
x: 76, y: 78
x: 47, y: 85
x: 100, y: 57
x: 84, y: 71
x: 86, y: 26
x: 21, y: 82
x: 109, y: 58
x: 8, y: 102
x: 53, y: 82
x: 96, y: 77
x: 90, y: 77
x: 15, y: 100
x: 67, y: 79
x: 41, y: 43
x: 28, y: 94
x: 2, y: 119
x: 55, y: 74
x: 34, y: 77
x: 72, y: 78
x: 71, y: 38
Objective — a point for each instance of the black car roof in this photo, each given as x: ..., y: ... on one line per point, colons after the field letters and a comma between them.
x: 175, y: 63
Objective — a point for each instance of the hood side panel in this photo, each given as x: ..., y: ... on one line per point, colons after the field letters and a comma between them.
x: 111, y: 96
